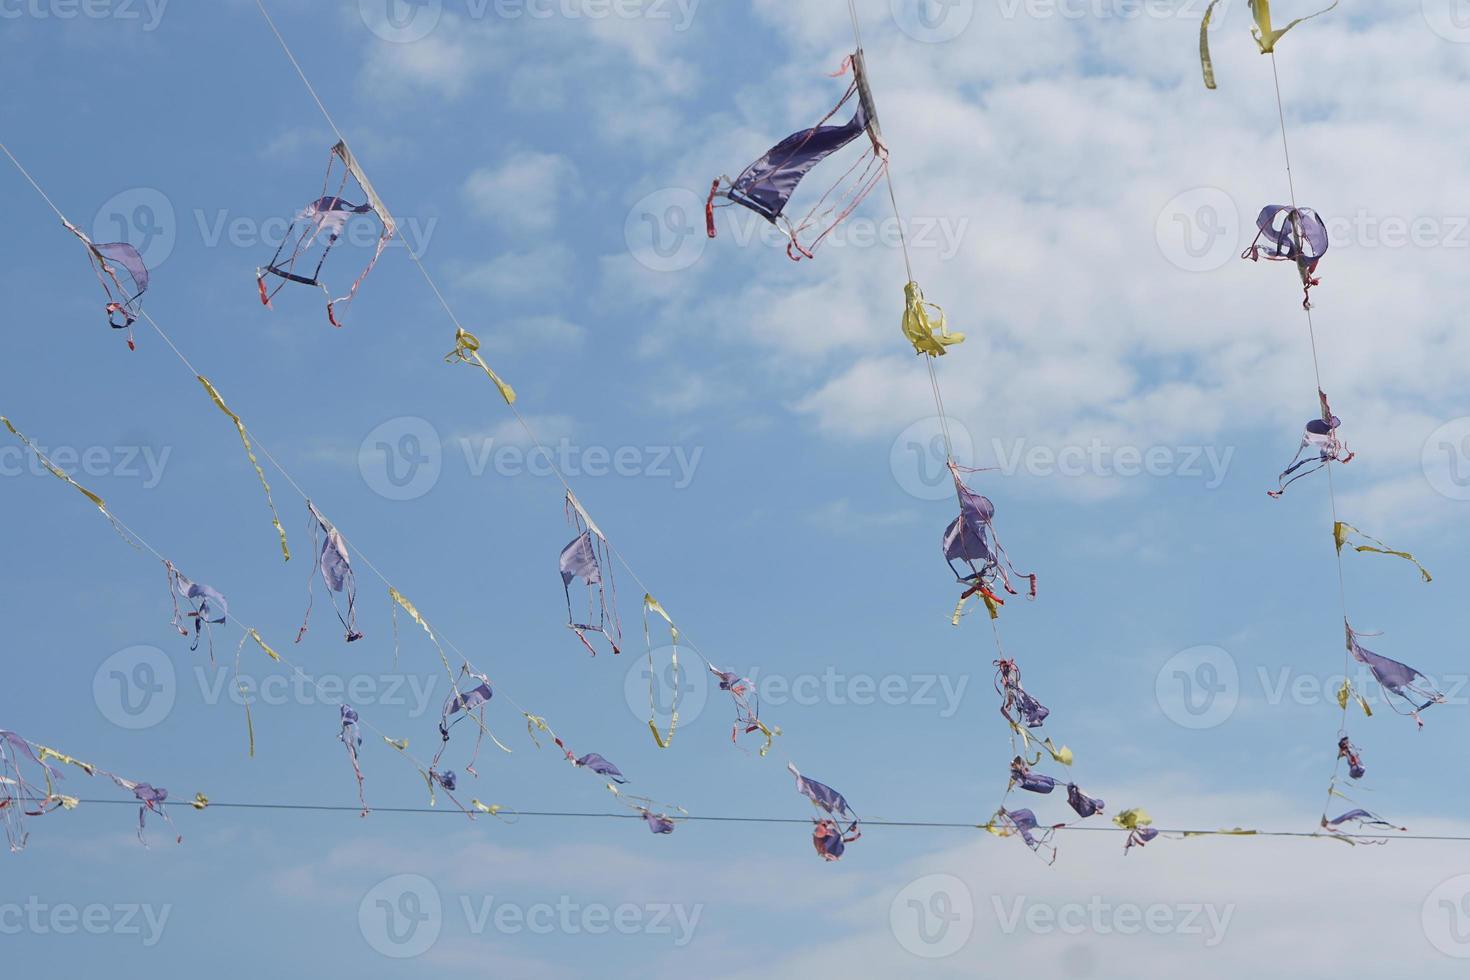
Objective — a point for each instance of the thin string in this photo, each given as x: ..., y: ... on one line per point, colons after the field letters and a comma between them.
x: 1331, y: 482
x: 787, y: 821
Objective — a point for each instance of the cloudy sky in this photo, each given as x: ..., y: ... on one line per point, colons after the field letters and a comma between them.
x: 757, y: 440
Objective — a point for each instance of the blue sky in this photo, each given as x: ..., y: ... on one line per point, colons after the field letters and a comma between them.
x: 1076, y: 200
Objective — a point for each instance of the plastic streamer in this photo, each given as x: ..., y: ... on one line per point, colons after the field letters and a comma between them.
x: 467, y: 351
x: 650, y: 604
x: 928, y: 333
x: 214, y: 396
x: 1342, y: 534
x: 66, y: 478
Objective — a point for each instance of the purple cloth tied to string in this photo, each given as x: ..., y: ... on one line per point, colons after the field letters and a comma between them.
x: 601, y: 766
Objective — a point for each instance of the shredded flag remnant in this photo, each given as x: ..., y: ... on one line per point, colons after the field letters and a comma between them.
x: 124, y: 278
x: 1320, y: 446
x: 828, y: 837
x: 971, y: 540
x: 324, y: 220
x: 586, y: 560
x: 334, y: 566
x: 766, y: 186
x: 1289, y: 234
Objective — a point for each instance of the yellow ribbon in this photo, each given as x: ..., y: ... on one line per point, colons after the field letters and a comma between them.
x: 1341, y: 531
x: 991, y: 606
x: 43, y: 753
x: 650, y: 604
x: 200, y: 802
x: 66, y: 478
x: 467, y: 351
x: 1133, y: 819
x: 1062, y: 755
x: 55, y: 470
x: 240, y: 686
x: 400, y: 744
x: 413, y: 613
x: 534, y: 722
x: 264, y: 645
x: 1266, y: 38
x: 250, y: 452
x: 769, y: 733
x: 928, y: 335
x: 959, y: 611
x: 1207, y: 65
x: 1346, y: 694
x: 493, y: 811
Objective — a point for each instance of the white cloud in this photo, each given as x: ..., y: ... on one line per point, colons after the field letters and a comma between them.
x: 540, y: 270
x: 525, y: 192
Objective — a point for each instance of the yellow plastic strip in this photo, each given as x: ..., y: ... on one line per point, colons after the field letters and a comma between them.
x: 1205, y: 63
x: 467, y: 351
x: 43, y: 753
x: 1266, y: 38
x: 413, y: 613
x: 1133, y: 819
x: 55, y: 470
x: 493, y: 811
x: 1346, y: 694
x: 929, y: 334
x: 769, y: 733
x: 250, y: 452
x: 650, y: 604
x: 534, y: 722
x: 1341, y: 531
x: 263, y: 645
x: 959, y: 611
x: 1062, y: 755
x: 240, y: 686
